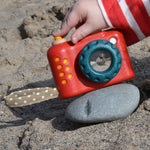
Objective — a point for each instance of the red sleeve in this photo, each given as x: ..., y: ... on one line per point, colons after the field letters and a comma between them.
x: 131, y: 16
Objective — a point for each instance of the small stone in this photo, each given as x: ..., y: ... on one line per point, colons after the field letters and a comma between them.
x: 147, y: 105
x: 106, y: 104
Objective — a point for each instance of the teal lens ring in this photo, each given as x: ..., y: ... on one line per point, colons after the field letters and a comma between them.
x: 101, y: 48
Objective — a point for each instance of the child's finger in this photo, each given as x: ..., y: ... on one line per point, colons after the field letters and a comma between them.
x: 70, y: 21
x: 81, y: 32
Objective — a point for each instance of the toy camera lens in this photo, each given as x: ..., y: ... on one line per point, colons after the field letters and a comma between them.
x: 100, y: 60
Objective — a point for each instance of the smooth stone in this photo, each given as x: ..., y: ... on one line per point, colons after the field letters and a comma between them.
x: 106, y: 104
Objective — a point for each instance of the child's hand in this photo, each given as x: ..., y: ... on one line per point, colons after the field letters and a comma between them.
x: 86, y: 16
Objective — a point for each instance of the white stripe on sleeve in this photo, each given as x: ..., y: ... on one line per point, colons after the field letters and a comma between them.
x: 104, y: 13
x: 130, y: 19
x: 147, y: 6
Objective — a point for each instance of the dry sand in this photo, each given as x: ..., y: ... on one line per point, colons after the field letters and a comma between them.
x: 25, y: 36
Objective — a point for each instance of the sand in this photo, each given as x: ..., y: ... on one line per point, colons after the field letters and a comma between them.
x: 25, y: 36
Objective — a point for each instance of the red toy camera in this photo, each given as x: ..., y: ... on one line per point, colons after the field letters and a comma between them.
x: 97, y: 61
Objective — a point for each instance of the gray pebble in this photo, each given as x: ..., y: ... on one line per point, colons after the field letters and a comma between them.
x: 147, y: 105
x: 106, y: 104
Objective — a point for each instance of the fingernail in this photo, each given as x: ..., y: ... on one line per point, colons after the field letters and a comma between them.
x: 74, y: 40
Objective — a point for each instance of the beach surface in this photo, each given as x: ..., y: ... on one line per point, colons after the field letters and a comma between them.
x: 25, y: 36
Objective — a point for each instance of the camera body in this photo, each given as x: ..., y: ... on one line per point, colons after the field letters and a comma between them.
x: 69, y: 63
